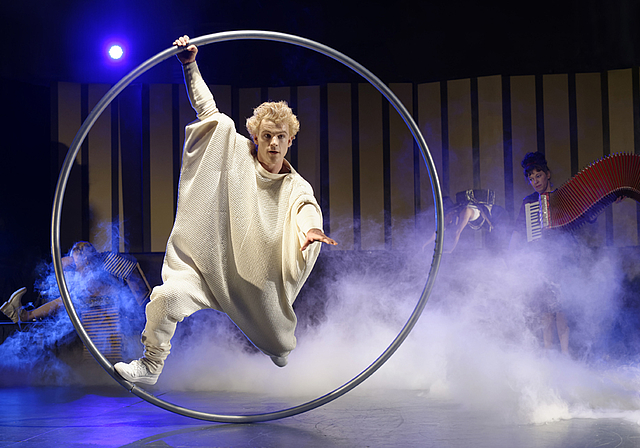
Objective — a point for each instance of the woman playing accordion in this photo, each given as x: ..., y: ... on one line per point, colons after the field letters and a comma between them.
x: 544, y: 253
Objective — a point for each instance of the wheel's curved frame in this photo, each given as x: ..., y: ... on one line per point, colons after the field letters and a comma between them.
x: 102, y: 105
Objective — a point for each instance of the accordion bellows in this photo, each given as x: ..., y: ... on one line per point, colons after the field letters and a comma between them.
x: 594, y: 188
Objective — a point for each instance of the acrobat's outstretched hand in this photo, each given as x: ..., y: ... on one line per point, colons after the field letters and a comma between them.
x: 189, y: 54
x: 314, y: 235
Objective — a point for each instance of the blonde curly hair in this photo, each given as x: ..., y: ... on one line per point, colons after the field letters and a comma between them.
x: 278, y: 112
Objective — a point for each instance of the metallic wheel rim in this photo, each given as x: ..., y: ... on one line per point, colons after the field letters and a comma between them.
x: 95, y: 114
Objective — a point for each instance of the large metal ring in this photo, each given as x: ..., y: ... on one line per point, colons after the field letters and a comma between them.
x: 102, y: 105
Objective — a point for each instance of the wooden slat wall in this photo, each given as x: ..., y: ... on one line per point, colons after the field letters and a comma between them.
x: 430, y: 124
x: 490, y: 141
x: 460, y: 176
x: 340, y: 164
x: 621, y: 121
x: 248, y: 99
x: 523, y: 131
x: 161, y: 191
x: 69, y: 119
x: 490, y: 136
x: 556, y: 127
x: 401, y: 179
x: 309, y: 136
x: 99, y: 150
x: 589, y: 135
x: 372, y: 201
x: 356, y: 152
x: 460, y: 137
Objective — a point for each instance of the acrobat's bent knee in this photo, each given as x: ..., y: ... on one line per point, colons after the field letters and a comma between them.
x: 170, y: 302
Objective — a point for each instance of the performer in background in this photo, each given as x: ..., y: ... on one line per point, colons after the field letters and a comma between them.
x: 476, y: 210
x: 547, y: 249
x: 86, y: 275
x: 246, y: 233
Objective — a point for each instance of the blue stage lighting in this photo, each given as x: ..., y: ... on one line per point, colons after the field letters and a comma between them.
x: 116, y: 52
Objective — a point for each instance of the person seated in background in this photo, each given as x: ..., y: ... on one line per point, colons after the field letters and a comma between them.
x: 468, y: 211
x: 83, y: 267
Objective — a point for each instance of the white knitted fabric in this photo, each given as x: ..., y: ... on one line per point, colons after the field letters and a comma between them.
x: 235, y: 243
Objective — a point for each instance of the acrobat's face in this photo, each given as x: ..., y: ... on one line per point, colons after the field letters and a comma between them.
x: 273, y: 141
x: 540, y: 181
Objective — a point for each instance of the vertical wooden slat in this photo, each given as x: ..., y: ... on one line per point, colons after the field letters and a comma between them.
x: 161, y: 165
x: 401, y: 170
x: 222, y: 97
x: 490, y: 131
x: 573, y: 123
x: 523, y: 131
x: 430, y: 123
x: 122, y: 242
x: 145, y: 171
x: 589, y: 116
x: 507, y: 145
x: 460, y: 145
x: 635, y: 76
x: 69, y: 121
x: 556, y: 128
x: 371, y: 168
x: 490, y: 143
x: 355, y: 165
x: 248, y: 99
x: 131, y: 158
x: 100, y: 200
x: 84, y: 167
x: 116, y: 200
x: 340, y: 164
x: 622, y: 140
x: 590, y: 139
x: 309, y: 136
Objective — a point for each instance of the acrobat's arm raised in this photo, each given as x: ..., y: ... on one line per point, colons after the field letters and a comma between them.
x: 199, y: 94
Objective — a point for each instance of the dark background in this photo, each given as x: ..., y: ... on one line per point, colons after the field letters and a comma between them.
x: 401, y: 41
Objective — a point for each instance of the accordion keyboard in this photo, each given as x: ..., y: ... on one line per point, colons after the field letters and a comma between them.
x: 532, y: 215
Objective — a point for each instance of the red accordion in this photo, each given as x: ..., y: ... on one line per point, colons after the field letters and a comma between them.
x: 587, y: 193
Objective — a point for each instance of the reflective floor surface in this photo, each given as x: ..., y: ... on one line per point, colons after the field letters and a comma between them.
x: 111, y: 416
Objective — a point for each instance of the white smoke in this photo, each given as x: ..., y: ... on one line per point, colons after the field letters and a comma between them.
x: 478, y: 341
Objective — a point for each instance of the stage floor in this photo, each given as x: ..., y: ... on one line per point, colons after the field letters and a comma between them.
x: 111, y: 416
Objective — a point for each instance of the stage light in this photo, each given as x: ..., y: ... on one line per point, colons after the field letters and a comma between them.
x: 116, y: 52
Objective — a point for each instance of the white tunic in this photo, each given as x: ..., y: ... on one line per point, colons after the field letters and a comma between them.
x: 238, y: 230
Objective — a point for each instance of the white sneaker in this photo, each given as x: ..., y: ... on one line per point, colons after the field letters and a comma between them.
x: 280, y: 361
x: 11, y: 308
x: 136, y: 372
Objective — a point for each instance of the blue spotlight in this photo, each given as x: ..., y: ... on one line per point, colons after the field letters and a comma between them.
x: 116, y: 52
